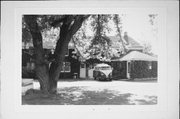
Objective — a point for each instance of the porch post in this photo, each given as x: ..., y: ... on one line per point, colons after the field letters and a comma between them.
x: 128, y: 69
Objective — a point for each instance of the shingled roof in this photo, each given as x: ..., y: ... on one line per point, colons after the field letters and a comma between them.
x: 137, y: 56
x: 129, y: 42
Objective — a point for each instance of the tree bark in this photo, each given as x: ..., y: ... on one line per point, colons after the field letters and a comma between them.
x: 60, y: 51
x: 48, y: 76
x: 41, y: 68
x: 68, y: 29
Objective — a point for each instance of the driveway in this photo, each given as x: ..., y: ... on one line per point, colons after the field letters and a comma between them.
x: 89, y: 92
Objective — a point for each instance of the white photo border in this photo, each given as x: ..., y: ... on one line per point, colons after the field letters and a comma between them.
x: 14, y: 105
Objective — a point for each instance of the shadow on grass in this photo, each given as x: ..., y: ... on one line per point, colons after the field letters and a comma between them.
x: 151, y: 100
x: 80, y: 96
x: 104, y: 97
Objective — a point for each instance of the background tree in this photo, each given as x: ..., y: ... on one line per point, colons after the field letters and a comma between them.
x: 26, y: 36
x: 153, y: 22
x: 147, y: 48
x: 98, y: 45
x: 118, y: 24
x: 100, y: 42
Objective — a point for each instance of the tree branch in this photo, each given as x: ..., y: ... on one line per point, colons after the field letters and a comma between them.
x: 31, y: 21
x: 75, y: 44
x: 79, y: 19
x: 66, y: 19
x: 58, y: 21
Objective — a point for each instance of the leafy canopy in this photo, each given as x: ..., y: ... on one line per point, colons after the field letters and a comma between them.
x: 96, y: 45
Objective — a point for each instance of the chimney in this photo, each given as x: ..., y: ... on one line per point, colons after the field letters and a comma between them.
x: 125, y: 33
x: 126, y: 37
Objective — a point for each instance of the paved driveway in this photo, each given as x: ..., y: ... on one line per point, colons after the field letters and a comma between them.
x: 103, y: 93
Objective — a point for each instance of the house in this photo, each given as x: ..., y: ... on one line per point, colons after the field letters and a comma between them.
x: 135, y: 64
x: 71, y: 65
x: 130, y: 44
x: 75, y: 66
x: 70, y: 68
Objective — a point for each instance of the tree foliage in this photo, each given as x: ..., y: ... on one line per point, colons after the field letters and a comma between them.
x: 147, y: 48
x: 153, y: 23
x: 64, y: 29
x: 95, y: 46
x: 100, y: 43
x: 26, y: 36
x: 152, y: 18
x: 118, y: 24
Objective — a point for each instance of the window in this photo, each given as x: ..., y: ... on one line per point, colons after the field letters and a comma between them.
x: 62, y: 69
x: 66, y: 67
x: 105, y: 68
x: 82, y: 65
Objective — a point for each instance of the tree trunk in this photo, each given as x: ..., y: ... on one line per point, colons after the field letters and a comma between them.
x: 56, y: 66
x: 48, y: 76
x: 66, y: 33
x: 41, y: 68
x: 43, y: 77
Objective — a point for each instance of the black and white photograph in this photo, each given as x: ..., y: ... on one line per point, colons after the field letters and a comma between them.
x: 89, y: 59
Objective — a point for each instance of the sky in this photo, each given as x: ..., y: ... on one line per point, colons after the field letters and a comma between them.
x: 138, y: 26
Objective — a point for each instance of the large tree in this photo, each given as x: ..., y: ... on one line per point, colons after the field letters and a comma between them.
x: 68, y: 26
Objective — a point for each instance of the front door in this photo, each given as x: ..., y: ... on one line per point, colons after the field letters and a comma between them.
x: 83, y: 70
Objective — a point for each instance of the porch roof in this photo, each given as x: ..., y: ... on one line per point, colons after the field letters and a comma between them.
x: 137, y: 56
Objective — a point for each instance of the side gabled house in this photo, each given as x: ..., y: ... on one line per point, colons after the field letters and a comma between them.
x: 70, y: 68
